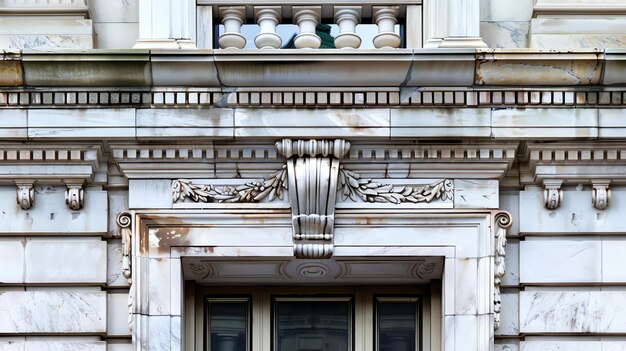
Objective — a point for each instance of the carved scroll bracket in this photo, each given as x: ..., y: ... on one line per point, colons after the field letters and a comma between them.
x: 124, y: 222
x: 502, y: 221
x: 312, y: 170
x: 552, y: 193
x: 601, y: 194
x: 25, y: 195
x: 75, y: 194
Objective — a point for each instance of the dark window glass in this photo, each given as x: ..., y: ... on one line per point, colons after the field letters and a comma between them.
x: 227, y: 325
x: 397, y: 326
x: 313, y: 325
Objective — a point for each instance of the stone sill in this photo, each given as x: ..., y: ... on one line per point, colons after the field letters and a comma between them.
x: 314, y: 68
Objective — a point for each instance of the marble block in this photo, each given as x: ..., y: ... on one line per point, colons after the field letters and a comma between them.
x: 28, y: 312
x: 455, y: 122
x: 45, y: 34
x: 509, y: 315
x: 544, y: 123
x: 561, y: 260
x: 476, y: 193
x: 117, y: 315
x: 574, y: 215
x: 511, y: 10
x: 83, y: 123
x: 505, y: 34
x: 168, y: 123
x: 65, y: 346
x: 62, y: 261
x: 13, y: 123
x: 116, y: 11
x: 325, y: 123
x: 50, y: 214
x: 561, y: 345
x: 150, y: 193
x: 573, y: 311
x: 114, y: 264
x: 12, y: 255
x: 613, y: 259
x: 51, y: 344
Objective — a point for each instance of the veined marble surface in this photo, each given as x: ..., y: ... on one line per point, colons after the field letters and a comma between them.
x: 72, y: 312
x: 505, y: 34
x: 574, y: 311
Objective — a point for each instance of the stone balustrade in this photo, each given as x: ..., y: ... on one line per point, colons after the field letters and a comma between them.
x: 307, y: 18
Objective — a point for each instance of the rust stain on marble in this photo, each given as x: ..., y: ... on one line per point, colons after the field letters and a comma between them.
x: 11, y: 73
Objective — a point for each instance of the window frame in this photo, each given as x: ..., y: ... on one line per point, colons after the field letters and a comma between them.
x: 226, y: 298
x: 312, y: 298
x: 399, y: 299
x: 363, y: 311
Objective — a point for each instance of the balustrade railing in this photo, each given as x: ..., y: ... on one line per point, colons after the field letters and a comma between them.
x: 382, y: 26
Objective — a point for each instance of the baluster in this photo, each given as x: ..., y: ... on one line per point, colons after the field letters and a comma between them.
x: 386, y: 19
x: 307, y: 18
x: 232, y: 18
x: 268, y: 18
x: 347, y: 17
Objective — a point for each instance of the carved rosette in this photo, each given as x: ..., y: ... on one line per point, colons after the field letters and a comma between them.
x: 124, y: 222
x: 25, y: 195
x: 501, y: 223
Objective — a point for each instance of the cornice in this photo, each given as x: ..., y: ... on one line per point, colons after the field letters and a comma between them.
x: 313, y: 68
x: 596, y: 164
x: 372, y: 160
x: 26, y: 166
x: 49, y: 163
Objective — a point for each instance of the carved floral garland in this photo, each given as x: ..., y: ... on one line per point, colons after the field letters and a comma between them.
x: 351, y: 185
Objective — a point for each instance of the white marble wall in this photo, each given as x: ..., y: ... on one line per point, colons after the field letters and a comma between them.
x: 115, y: 23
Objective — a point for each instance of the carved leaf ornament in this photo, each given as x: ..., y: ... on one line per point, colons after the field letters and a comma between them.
x: 351, y: 185
x: 270, y: 188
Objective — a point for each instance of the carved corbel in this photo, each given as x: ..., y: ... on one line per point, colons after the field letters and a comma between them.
x: 124, y: 222
x: 25, y: 195
x: 552, y: 193
x: 601, y: 194
x: 74, y: 194
x: 502, y: 222
x: 312, y: 170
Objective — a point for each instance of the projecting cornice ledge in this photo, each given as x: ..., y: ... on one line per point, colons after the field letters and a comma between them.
x: 314, y: 68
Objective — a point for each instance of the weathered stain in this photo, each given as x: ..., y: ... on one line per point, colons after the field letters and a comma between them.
x: 170, y: 236
x: 11, y: 73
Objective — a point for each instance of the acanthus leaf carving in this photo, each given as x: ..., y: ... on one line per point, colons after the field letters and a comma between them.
x: 352, y: 186
x: 271, y: 188
x: 124, y: 221
x: 502, y: 222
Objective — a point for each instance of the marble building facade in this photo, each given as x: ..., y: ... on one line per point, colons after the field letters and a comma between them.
x: 163, y: 159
